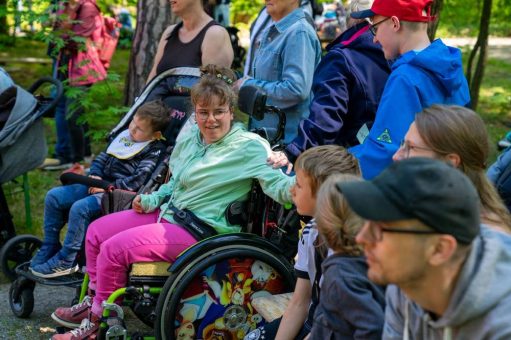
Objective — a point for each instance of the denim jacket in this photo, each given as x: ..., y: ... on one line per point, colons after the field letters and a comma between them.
x: 284, y: 64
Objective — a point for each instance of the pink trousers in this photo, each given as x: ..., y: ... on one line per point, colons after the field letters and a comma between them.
x: 115, y: 241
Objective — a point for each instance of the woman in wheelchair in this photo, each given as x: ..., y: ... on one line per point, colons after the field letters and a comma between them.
x: 214, y: 165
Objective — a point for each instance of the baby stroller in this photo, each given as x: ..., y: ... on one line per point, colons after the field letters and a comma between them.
x: 22, y: 148
x: 181, y: 81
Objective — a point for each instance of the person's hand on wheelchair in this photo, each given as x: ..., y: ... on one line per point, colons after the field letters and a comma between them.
x: 137, y: 204
x: 278, y: 159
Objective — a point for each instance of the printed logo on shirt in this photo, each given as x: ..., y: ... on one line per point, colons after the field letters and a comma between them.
x: 385, y: 137
x: 126, y: 142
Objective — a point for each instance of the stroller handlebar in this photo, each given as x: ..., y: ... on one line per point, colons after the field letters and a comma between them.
x: 71, y: 178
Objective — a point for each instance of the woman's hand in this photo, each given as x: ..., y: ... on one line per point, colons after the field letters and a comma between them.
x: 278, y: 159
x: 137, y: 204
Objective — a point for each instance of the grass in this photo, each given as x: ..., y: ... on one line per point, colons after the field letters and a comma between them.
x: 494, y: 107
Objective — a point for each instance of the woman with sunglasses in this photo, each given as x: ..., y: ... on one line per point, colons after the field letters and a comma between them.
x: 458, y: 136
x: 212, y: 166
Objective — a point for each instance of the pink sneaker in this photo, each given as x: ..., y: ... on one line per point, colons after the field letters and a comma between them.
x: 88, y: 329
x: 76, y: 168
x: 71, y: 317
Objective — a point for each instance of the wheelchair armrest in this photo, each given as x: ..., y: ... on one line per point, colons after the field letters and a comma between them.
x: 71, y: 178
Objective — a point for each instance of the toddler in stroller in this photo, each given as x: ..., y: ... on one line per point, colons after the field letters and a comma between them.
x: 126, y: 163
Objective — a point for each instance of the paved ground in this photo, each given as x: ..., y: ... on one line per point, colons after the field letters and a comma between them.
x: 40, y: 325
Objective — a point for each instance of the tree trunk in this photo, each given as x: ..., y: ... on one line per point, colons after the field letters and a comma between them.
x: 479, y: 52
x: 3, y: 17
x: 153, y: 17
x: 436, y: 9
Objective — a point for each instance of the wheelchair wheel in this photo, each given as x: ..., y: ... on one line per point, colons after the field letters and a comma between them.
x: 21, y: 298
x: 210, y: 297
x: 16, y: 251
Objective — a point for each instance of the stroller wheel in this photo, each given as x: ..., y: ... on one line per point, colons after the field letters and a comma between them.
x: 21, y: 298
x: 16, y: 251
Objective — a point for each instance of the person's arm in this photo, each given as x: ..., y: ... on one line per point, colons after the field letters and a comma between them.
x: 159, y: 52
x: 496, y: 169
x: 216, y: 47
x: 145, y: 168
x: 274, y: 182
x: 98, y: 164
x: 152, y: 201
x: 298, y: 64
x: 396, y: 112
x: 329, y: 107
x: 296, y: 311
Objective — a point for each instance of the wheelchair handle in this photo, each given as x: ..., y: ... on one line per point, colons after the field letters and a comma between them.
x: 71, y: 178
x: 252, y: 101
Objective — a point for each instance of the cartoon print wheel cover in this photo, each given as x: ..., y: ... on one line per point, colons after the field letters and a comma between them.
x: 217, y: 303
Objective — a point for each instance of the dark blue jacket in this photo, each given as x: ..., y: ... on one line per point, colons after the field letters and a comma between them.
x: 350, y: 305
x: 418, y: 80
x: 347, y: 87
x: 127, y: 174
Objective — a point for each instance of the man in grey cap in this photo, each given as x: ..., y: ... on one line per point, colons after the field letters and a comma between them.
x: 448, y: 276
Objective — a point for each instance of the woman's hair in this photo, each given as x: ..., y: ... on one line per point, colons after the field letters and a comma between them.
x: 322, y: 161
x: 457, y: 130
x: 357, y: 6
x: 338, y: 225
x: 156, y: 112
x: 216, y: 81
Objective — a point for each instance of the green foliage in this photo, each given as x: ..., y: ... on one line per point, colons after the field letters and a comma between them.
x: 245, y: 11
x: 461, y: 18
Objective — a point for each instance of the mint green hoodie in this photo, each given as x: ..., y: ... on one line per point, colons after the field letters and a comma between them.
x: 207, y: 178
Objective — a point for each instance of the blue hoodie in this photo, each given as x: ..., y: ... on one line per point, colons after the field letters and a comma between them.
x: 417, y: 81
x: 347, y: 87
x: 480, y: 304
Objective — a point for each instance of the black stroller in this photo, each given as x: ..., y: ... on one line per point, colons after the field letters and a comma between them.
x: 22, y: 148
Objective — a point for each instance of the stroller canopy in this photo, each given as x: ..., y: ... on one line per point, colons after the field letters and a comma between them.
x: 16, y: 107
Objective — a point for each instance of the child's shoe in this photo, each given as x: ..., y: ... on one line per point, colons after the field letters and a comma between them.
x: 54, y: 267
x: 46, y: 252
x: 71, y: 317
x: 88, y: 329
x: 76, y: 168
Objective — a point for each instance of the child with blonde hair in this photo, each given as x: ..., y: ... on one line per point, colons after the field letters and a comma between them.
x: 312, y: 168
x: 350, y: 306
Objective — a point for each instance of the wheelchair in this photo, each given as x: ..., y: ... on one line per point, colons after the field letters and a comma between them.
x: 19, y: 249
x: 206, y: 293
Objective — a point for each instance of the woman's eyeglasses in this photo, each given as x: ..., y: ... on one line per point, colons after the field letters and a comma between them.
x: 406, y: 147
x: 204, y: 115
x: 373, y: 28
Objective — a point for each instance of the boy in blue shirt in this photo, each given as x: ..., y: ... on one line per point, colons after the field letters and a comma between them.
x: 423, y: 73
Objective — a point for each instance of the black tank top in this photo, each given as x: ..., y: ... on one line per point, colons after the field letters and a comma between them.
x: 179, y: 54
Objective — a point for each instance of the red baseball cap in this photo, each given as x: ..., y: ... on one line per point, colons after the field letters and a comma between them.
x: 406, y: 10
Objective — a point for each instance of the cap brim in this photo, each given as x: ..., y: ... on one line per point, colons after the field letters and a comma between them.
x: 369, y: 202
x: 363, y: 14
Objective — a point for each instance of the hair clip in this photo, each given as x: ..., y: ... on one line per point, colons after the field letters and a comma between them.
x: 224, y: 78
